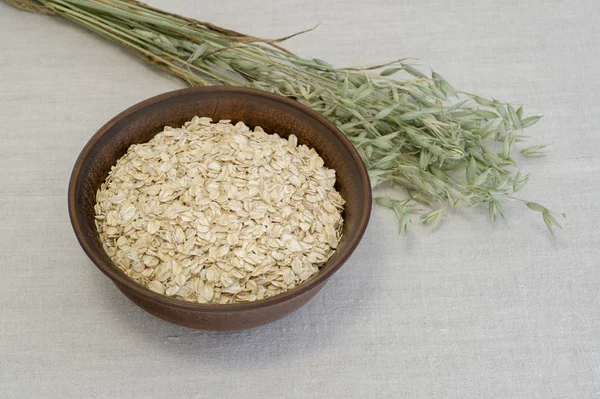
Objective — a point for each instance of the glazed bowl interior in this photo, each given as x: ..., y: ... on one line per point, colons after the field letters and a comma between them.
x: 275, y: 114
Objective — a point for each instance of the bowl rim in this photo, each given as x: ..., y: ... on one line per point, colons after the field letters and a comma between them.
x: 117, y: 275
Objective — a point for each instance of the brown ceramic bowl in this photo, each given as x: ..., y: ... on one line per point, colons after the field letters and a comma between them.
x: 274, y: 113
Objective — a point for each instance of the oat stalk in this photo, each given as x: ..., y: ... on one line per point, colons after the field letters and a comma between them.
x: 413, y: 130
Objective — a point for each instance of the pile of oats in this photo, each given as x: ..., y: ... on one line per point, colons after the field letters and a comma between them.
x: 213, y: 212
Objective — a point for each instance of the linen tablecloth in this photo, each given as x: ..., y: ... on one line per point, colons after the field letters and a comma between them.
x: 467, y: 311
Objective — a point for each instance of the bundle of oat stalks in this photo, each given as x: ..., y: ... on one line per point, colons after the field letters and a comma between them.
x: 414, y: 132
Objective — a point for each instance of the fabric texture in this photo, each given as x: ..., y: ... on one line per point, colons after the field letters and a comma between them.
x: 467, y: 311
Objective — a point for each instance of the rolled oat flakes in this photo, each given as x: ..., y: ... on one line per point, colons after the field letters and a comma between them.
x: 213, y: 212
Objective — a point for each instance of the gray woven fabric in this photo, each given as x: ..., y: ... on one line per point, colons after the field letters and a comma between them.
x: 469, y: 311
